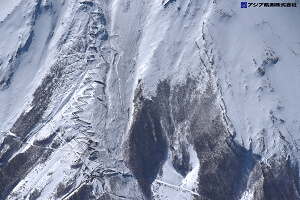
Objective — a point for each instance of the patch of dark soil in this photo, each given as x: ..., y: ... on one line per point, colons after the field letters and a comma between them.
x: 84, y: 193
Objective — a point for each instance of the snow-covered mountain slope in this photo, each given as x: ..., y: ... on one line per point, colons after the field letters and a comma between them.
x: 134, y: 99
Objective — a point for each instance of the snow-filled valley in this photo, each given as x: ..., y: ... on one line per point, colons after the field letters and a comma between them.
x: 137, y: 99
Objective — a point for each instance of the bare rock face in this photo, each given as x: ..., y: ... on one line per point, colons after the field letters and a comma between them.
x: 147, y: 142
x: 226, y: 168
x: 279, y: 181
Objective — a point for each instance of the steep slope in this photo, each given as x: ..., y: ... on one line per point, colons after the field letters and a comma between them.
x: 164, y: 99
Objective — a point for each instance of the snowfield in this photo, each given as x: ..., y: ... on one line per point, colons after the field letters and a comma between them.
x: 162, y: 99
x: 7, y: 7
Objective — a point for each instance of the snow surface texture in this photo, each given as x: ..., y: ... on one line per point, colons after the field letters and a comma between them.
x: 162, y: 99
